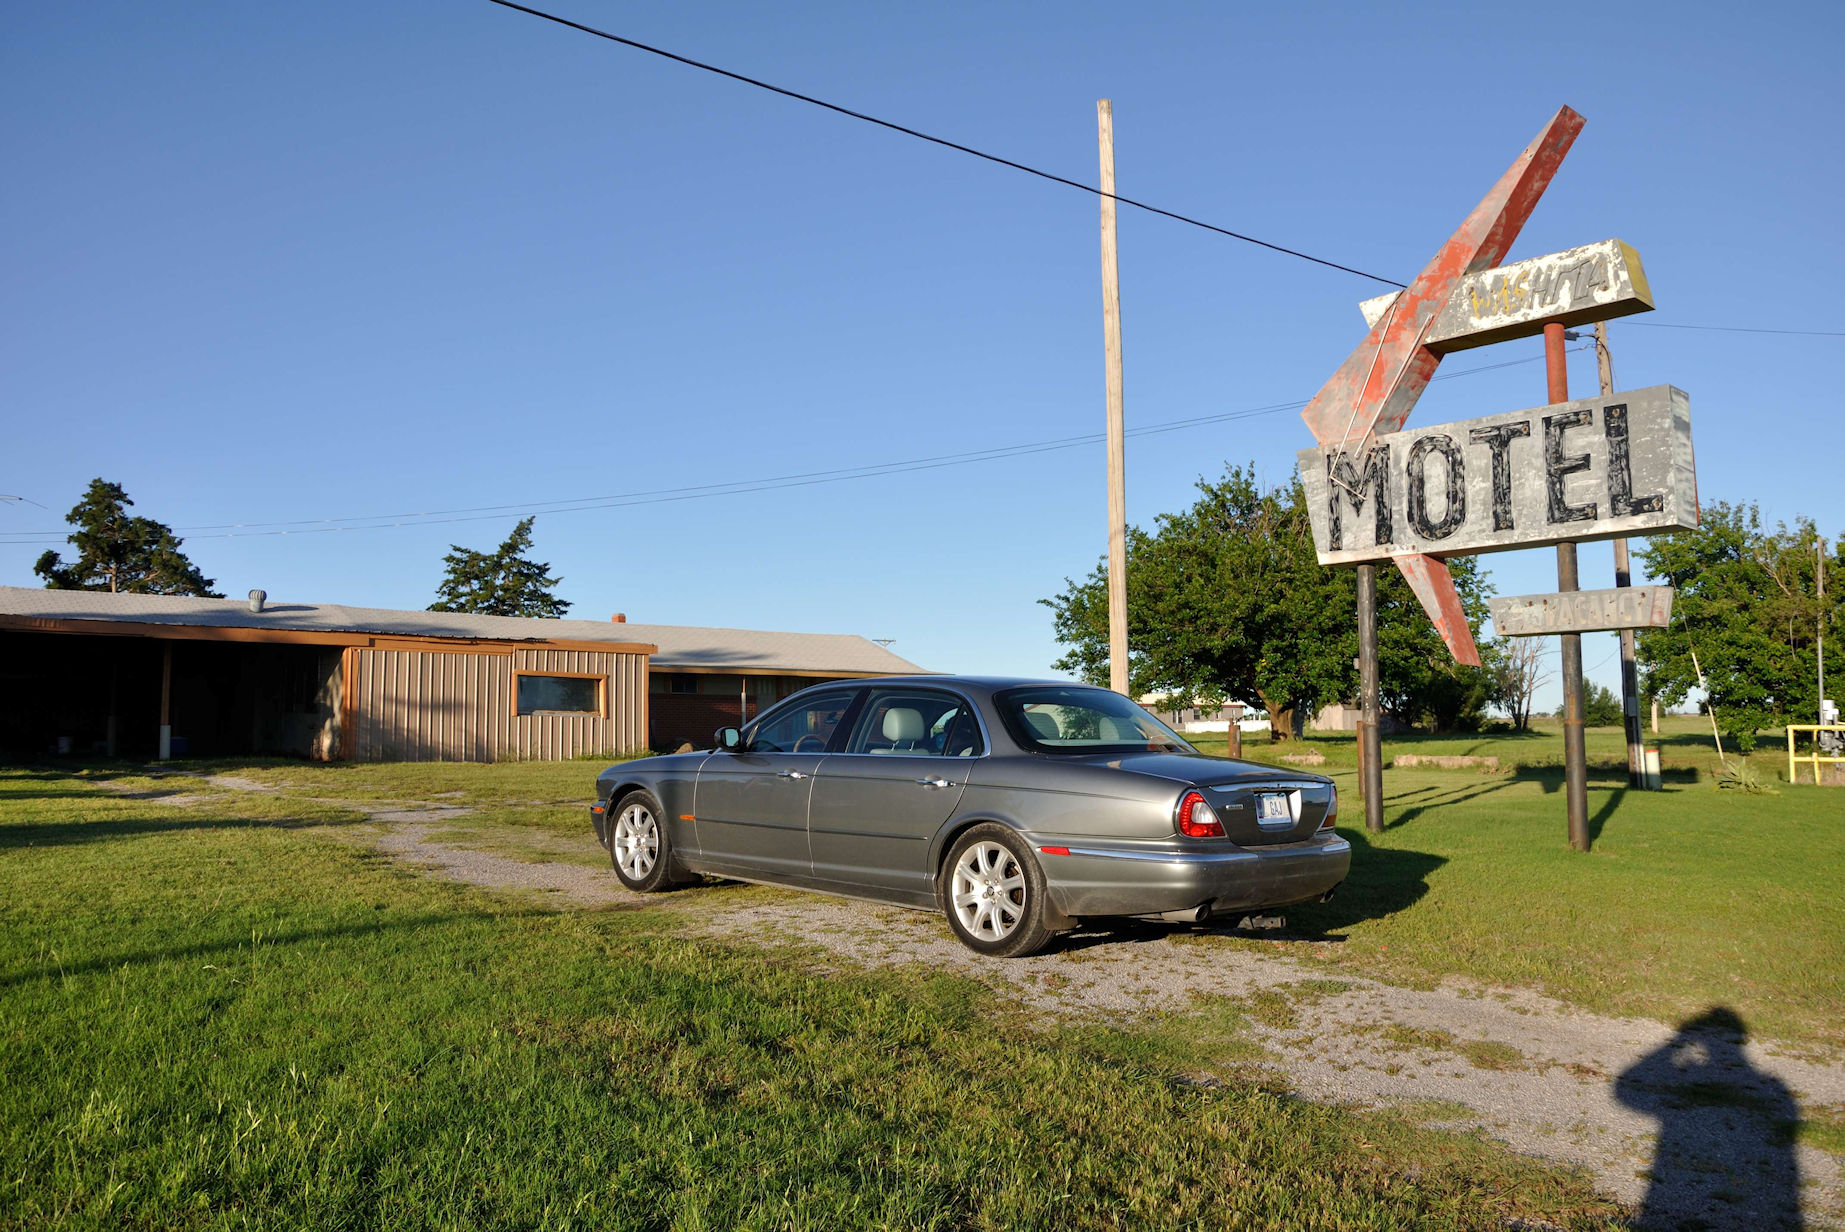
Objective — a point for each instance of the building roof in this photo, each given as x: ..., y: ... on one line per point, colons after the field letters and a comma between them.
x: 679, y: 646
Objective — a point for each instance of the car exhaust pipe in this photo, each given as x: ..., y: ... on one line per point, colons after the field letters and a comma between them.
x: 1190, y: 915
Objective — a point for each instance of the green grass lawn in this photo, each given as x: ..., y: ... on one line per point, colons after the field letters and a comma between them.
x: 225, y: 1015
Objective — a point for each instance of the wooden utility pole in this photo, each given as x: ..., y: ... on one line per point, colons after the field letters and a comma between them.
x: 1575, y: 753
x: 1623, y: 576
x: 1117, y: 445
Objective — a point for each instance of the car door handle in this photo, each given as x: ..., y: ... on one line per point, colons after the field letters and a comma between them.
x: 933, y: 782
x: 789, y: 774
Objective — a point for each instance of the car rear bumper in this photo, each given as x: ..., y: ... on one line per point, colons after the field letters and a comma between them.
x: 1116, y: 879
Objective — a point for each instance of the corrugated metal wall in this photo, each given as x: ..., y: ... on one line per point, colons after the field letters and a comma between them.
x: 416, y: 705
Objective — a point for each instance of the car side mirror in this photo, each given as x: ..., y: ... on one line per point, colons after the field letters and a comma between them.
x: 729, y: 739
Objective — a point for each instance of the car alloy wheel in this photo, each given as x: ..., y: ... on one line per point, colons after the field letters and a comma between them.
x: 988, y: 892
x: 635, y: 841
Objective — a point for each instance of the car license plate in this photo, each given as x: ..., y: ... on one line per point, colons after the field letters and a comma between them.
x: 1274, y: 809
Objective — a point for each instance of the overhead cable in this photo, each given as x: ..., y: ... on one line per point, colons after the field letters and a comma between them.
x: 941, y: 141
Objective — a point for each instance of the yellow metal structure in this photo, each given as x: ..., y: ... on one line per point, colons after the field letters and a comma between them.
x: 1816, y: 757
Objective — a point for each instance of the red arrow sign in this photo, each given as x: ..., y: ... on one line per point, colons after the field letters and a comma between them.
x: 1379, y: 383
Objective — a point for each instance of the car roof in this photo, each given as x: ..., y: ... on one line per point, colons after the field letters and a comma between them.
x: 979, y: 684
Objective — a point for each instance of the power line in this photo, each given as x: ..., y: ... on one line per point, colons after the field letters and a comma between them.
x: 941, y: 141
x: 1742, y: 329
x: 650, y: 49
x: 740, y: 487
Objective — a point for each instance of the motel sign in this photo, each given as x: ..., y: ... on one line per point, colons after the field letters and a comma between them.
x: 1598, y: 468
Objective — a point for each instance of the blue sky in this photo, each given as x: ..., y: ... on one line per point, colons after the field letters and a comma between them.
x: 283, y: 262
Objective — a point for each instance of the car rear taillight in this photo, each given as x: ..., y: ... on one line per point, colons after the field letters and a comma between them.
x: 1196, y: 819
x: 1332, y: 809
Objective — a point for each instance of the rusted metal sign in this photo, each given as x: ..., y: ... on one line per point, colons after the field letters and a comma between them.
x: 1596, y: 282
x: 1582, y: 611
x: 1379, y: 382
x: 1599, y: 468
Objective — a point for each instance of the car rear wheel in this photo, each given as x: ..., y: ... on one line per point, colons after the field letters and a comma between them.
x: 638, y: 845
x: 993, y: 893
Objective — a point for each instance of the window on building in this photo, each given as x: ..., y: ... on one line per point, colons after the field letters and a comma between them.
x: 683, y: 683
x: 559, y: 694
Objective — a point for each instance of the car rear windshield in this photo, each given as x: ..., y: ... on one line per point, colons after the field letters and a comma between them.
x: 1079, y: 719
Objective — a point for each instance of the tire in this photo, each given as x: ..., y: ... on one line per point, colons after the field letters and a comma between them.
x: 993, y: 893
x: 638, y: 846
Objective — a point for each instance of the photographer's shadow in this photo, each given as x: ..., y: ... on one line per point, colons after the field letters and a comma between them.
x: 1725, y: 1156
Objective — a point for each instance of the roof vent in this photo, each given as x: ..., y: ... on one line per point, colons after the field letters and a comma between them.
x: 256, y: 599
x: 620, y: 618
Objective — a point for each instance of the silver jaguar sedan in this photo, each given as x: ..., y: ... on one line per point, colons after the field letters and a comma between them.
x: 1016, y: 808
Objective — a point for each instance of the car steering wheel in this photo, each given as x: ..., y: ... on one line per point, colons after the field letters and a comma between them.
x: 800, y: 744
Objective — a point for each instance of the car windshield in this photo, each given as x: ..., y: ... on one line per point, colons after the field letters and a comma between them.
x: 1079, y: 719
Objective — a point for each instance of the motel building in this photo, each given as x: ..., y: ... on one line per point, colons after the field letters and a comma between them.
x: 88, y: 672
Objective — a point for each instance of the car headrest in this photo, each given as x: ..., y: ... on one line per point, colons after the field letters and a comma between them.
x: 901, y: 723
x: 1116, y: 730
x: 1043, y: 725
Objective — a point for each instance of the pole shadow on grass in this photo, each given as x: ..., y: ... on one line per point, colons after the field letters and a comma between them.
x: 52, y: 969
x: 20, y: 835
x: 1725, y: 1155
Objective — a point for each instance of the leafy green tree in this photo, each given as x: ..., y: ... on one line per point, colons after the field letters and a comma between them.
x: 1748, y: 608
x: 505, y: 583
x: 1226, y: 598
x: 121, y: 554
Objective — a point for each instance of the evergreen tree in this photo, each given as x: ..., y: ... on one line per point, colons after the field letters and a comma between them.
x: 505, y: 583
x: 121, y: 554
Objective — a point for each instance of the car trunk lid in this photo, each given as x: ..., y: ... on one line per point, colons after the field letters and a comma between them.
x: 1258, y: 805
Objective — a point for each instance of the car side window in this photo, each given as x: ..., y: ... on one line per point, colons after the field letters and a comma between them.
x: 806, y: 727
x: 916, y: 723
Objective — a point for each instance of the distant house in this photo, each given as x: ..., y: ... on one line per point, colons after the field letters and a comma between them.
x: 148, y: 675
x: 1218, y: 718
x: 1344, y: 716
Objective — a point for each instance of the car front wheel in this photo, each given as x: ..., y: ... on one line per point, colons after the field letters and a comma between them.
x: 993, y: 893
x: 638, y: 845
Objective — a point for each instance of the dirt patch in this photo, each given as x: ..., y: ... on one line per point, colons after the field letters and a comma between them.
x: 1429, y: 761
x: 573, y: 884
